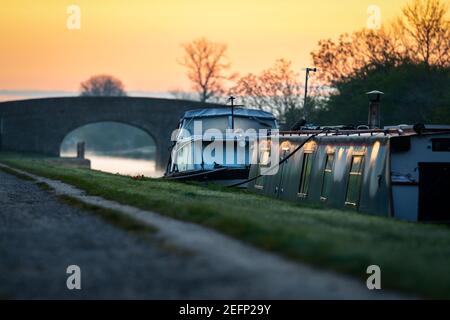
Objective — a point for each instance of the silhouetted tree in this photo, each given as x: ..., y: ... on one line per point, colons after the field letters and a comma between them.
x: 277, y: 90
x: 102, y: 85
x: 420, y: 35
x: 206, y: 64
x: 354, y: 55
x: 407, y: 59
x: 425, y: 32
x: 413, y: 93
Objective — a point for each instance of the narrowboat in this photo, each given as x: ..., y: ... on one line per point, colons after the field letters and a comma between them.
x: 399, y: 171
x: 214, y: 144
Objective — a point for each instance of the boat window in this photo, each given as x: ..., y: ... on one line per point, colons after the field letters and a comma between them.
x: 400, y: 144
x: 354, y: 180
x: 440, y: 144
x: 264, y: 161
x: 306, y: 172
x: 259, y: 183
x: 327, y: 176
x: 183, y: 158
x: 222, y: 123
x: 253, y: 123
x: 265, y: 157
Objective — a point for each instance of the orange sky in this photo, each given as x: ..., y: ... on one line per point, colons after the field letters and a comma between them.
x: 139, y: 41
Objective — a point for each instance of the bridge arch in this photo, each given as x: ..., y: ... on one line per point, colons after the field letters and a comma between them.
x: 114, y: 147
x: 122, y: 123
x: 93, y: 131
x: 40, y: 125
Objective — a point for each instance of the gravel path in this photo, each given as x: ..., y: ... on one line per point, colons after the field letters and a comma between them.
x: 40, y: 237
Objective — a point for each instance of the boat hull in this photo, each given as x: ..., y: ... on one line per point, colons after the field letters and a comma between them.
x: 222, y: 176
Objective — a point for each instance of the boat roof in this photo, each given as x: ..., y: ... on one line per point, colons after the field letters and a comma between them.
x: 240, y: 112
x: 390, y: 131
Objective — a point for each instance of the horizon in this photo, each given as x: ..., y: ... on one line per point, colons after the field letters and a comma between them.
x: 17, y: 95
x: 110, y: 39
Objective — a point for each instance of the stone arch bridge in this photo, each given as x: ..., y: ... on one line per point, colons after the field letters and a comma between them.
x: 40, y: 125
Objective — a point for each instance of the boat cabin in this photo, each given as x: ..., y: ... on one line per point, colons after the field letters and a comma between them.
x: 213, y: 144
x: 399, y: 171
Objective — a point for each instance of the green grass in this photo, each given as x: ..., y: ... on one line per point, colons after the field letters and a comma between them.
x: 17, y: 174
x: 414, y: 258
x: 113, y: 217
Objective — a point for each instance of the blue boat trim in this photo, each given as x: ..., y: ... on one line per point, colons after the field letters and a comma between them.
x: 239, y: 112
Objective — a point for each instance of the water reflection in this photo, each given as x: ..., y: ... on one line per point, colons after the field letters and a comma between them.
x: 124, y: 166
x: 114, y: 147
x: 121, y: 165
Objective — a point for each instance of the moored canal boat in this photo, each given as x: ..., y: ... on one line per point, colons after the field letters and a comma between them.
x: 399, y: 171
x: 199, y: 129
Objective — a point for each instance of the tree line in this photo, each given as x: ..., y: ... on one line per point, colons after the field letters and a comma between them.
x: 407, y: 58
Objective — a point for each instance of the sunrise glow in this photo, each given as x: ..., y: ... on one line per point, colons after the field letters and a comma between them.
x: 139, y: 41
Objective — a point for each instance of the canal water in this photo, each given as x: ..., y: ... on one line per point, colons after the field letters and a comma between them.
x: 124, y: 166
x: 114, y: 147
x: 121, y: 165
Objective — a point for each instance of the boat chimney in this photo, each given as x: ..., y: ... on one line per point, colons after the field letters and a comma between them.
x: 374, y: 108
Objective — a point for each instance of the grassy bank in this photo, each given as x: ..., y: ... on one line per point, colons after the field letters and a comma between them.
x: 413, y: 257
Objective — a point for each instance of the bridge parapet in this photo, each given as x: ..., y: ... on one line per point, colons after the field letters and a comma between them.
x: 40, y: 125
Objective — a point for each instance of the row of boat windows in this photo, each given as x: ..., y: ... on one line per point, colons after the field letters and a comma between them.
x: 354, y: 179
x: 221, y: 123
x: 233, y: 153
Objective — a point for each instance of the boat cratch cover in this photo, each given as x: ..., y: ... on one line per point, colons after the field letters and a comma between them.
x: 223, y: 157
x: 238, y: 112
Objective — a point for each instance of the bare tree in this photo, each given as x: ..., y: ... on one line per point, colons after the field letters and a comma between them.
x: 420, y: 35
x: 206, y: 64
x: 276, y: 89
x: 426, y: 32
x: 102, y: 85
x: 355, y: 54
x: 182, y: 95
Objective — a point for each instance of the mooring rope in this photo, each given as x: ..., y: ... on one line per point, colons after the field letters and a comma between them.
x: 282, y: 161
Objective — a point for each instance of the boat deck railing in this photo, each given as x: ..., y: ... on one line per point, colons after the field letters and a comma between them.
x: 371, y: 132
x: 336, y: 132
